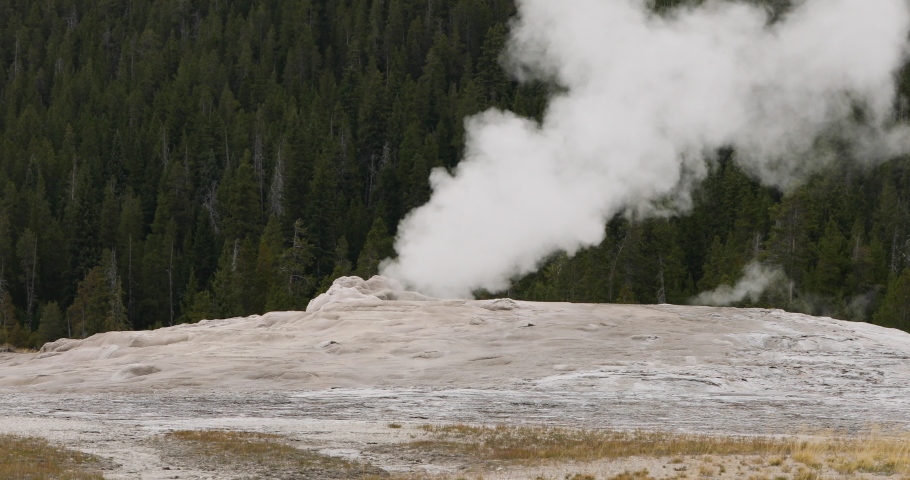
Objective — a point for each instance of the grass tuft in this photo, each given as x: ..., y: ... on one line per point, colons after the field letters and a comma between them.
x: 807, y: 457
x: 262, y: 452
x: 550, y: 443
x: 7, y: 348
x: 262, y: 449
x: 26, y: 458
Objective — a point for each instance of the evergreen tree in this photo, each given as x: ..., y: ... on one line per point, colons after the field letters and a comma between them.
x: 98, y: 306
x: 197, y: 303
x: 895, y: 309
x: 27, y: 250
x: 52, y: 326
x: 833, y: 260
x: 239, y: 200
x: 342, y: 263
x: 271, y: 246
x: 227, y: 284
x: 377, y: 248
x: 296, y: 285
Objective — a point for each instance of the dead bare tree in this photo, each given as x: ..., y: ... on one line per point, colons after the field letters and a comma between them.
x: 27, y: 250
x: 3, y: 287
x: 113, y: 279
x: 227, y: 152
x: 614, y: 263
x: 210, y: 203
x: 73, y: 180
x: 130, y: 305
x: 170, y: 283
x: 662, y: 293
x: 235, y: 254
x: 165, y: 150
x: 276, y: 190
x: 16, y: 65
x: 72, y: 19
x: 31, y: 294
x: 258, y: 159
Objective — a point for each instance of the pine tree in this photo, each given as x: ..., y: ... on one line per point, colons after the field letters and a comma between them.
x: 239, y: 200
x: 27, y: 251
x: 52, y: 326
x: 377, y: 248
x: 833, y: 260
x: 271, y: 246
x: 789, y: 242
x: 6, y: 252
x: 196, y: 303
x: 490, y: 76
x: 296, y: 286
x: 227, y: 282
x: 895, y: 309
x: 98, y: 306
x: 109, y: 219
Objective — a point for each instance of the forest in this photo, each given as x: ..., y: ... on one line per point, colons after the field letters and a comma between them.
x: 167, y: 161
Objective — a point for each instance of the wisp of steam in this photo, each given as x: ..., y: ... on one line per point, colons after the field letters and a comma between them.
x: 756, y: 279
x: 642, y: 102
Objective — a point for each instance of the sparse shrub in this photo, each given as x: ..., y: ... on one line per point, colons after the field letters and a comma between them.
x: 805, y: 474
x: 580, y: 476
x: 639, y: 475
x: 807, y: 459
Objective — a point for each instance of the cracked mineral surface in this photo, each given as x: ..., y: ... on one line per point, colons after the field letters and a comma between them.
x: 330, y: 377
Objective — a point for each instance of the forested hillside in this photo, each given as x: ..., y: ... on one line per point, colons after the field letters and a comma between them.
x: 163, y: 162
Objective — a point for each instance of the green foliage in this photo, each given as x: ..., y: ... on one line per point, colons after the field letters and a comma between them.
x: 98, y: 305
x: 377, y: 248
x: 895, y: 309
x: 52, y: 325
x: 225, y: 158
x: 295, y: 286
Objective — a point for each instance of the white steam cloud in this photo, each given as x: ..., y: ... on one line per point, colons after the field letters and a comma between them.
x: 645, y: 100
x: 756, y: 279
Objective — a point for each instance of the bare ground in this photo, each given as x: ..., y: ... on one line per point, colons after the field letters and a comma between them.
x: 333, y: 380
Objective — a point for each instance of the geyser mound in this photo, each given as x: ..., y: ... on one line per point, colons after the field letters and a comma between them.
x: 377, y: 288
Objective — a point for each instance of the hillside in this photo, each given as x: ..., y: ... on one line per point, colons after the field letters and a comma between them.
x: 165, y: 162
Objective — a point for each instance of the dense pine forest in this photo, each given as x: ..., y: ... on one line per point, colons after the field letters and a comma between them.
x: 163, y: 162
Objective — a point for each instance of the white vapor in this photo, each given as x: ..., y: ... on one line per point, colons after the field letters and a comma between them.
x: 756, y: 279
x: 645, y: 100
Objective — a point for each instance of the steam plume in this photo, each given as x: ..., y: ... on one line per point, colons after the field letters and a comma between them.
x: 756, y: 279
x: 645, y: 101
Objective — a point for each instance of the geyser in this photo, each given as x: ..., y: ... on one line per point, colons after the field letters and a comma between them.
x: 643, y: 102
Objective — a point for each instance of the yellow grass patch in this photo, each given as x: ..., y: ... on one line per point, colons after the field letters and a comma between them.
x: 26, y: 458
x: 230, y: 447
x: 816, y: 457
x: 539, y: 443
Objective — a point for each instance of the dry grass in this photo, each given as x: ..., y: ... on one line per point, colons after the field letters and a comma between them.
x: 7, y: 348
x: 816, y: 457
x: 546, y: 443
x: 25, y: 458
x: 485, y: 450
x: 221, y: 446
x: 260, y: 452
